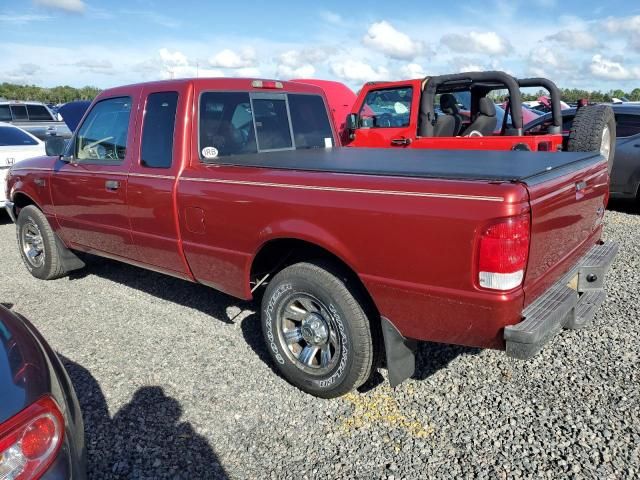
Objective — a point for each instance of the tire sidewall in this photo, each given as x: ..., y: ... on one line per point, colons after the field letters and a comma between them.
x: 27, y: 214
x: 276, y: 296
x: 611, y: 124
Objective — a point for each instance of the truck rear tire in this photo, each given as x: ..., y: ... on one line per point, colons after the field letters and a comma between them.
x: 594, y: 130
x: 37, y: 244
x: 316, y: 330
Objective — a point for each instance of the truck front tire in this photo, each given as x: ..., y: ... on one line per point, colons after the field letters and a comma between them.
x: 594, y: 130
x: 37, y: 244
x: 316, y: 331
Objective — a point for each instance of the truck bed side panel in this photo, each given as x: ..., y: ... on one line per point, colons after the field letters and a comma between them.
x: 411, y: 241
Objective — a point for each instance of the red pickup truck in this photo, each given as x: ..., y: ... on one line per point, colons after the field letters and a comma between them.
x: 356, y: 253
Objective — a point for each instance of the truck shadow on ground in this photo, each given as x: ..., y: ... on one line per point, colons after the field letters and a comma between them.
x: 430, y: 357
x: 192, y: 295
x: 624, y: 206
x: 144, y: 439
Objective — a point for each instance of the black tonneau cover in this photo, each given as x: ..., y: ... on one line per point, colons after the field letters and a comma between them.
x: 504, y: 165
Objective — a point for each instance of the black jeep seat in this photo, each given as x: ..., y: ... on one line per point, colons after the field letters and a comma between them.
x: 449, y: 106
x: 485, y: 121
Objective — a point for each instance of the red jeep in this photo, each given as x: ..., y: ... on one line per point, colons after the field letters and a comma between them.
x: 456, y: 112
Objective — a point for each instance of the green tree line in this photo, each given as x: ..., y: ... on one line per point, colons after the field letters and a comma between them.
x: 571, y: 95
x: 60, y: 94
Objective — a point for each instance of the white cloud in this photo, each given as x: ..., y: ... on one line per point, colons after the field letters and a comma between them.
x: 303, y: 71
x: 22, y: 19
x: 383, y: 37
x: 331, y: 17
x: 249, y: 72
x: 101, y: 66
x: 609, y: 69
x: 300, y: 63
x: 173, y: 59
x: 624, y: 24
x: 543, y: 61
x: 412, y: 70
x: 357, y: 71
x: 576, y: 39
x: 74, y: 6
x: 231, y: 59
x: 488, y: 43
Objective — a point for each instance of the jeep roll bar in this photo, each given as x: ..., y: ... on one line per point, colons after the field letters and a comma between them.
x: 554, y: 93
x: 493, y: 79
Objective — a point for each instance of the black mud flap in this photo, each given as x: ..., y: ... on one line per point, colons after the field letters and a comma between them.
x: 69, y: 259
x: 400, y: 353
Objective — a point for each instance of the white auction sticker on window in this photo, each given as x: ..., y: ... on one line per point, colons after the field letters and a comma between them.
x: 328, y: 142
x: 209, y: 152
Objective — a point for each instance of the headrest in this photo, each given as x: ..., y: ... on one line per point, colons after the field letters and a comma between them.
x: 448, y: 104
x: 487, y: 107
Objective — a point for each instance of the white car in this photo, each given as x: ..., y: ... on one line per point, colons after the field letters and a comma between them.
x: 15, y: 145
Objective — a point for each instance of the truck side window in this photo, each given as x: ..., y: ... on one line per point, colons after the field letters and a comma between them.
x: 19, y: 112
x: 226, y: 123
x: 5, y: 113
x: 39, y: 112
x: 386, y: 108
x: 157, y: 130
x: 102, y: 137
x: 627, y: 125
x: 311, y: 127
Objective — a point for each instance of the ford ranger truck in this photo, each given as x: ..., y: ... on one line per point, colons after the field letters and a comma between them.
x: 355, y: 254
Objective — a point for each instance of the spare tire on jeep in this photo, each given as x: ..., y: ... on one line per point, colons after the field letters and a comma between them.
x: 594, y: 130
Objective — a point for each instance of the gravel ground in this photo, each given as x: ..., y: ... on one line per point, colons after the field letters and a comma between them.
x: 174, y: 381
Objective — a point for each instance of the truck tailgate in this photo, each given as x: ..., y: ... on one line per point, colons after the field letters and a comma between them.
x: 567, y: 209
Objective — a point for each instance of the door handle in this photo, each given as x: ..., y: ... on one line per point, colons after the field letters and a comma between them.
x: 403, y: 142
x: 112, y: 185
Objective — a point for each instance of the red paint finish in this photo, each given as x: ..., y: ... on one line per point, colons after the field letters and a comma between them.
x: 563, y: 217
x: 415, y: 254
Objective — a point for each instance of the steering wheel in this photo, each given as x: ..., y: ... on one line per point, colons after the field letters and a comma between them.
x: 384, y: 120
x: 474, y: 133
x: 93, y: 144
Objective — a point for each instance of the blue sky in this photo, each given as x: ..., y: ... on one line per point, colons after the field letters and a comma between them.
x: 585, y: 44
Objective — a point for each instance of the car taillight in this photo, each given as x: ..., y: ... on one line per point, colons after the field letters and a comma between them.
x: 503, y: 252
x: 30, y: 440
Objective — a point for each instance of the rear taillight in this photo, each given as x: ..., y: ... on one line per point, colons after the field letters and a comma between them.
x: 30, y: 440
x: 503, y: 251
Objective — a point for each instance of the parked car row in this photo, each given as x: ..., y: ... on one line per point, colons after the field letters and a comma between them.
x: 34, y: 117
x: 625, y: 173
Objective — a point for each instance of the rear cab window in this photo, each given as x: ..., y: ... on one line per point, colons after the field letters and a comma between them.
x: 236, y: 123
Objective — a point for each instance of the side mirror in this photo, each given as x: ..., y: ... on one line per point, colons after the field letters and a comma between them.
x: 54, y: 146
x: 352, y: 121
